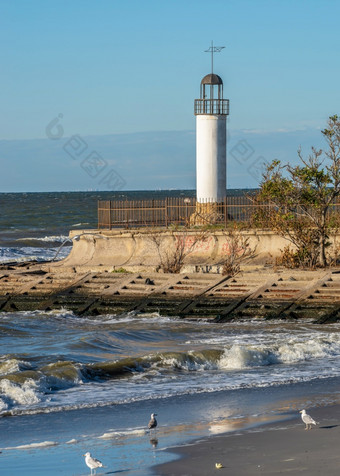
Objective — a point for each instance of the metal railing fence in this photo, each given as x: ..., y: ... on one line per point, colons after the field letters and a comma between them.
x: 180, y: 211
x: 174, y: 211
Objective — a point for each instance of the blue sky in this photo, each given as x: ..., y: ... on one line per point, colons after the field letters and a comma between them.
x: 113, y: 67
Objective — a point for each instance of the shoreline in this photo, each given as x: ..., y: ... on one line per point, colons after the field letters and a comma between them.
x: 118, y: 436
x: 273, y: 448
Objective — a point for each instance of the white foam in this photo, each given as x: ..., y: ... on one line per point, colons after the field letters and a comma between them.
x: 191, y: 362
x: 3, y: 406
x: 56, y: 313
x: 108, y: 435
x: 46, y: 239
x: 13, y: 365
x: 293, y: 350
x: 240, y: 357
x: 23, y: 254
x: 25, y: 394
x: 43, y: 444
x: 116, y: 433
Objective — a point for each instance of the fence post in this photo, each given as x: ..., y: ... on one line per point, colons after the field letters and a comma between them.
x: 110, y: 215
x: 127, y: 213
x: 98, y: 213
x: 225, y: 212
x: 166, y: 212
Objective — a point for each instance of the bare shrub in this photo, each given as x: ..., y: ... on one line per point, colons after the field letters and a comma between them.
x: 171, y: 259
x: 237, y: 250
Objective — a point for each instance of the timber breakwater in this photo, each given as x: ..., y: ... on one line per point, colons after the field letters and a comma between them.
x: 261, y: 292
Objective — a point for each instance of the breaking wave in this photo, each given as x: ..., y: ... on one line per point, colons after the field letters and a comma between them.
x: 46, y: 239
x: 24, y: 385
x: 31, y: 253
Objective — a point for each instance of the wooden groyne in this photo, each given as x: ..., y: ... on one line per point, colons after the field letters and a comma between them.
x: 260, y: 292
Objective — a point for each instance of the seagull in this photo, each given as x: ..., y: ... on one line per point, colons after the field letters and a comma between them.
x: 307, y: 419
x: 153, y: 422
x: 92, y: 463
x: 219, y: 465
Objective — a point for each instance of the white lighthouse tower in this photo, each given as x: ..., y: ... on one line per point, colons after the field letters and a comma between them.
x: 211, y: 112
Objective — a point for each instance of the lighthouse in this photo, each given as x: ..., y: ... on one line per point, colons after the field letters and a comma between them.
x: 211, y: 111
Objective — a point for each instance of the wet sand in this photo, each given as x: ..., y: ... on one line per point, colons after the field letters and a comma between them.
x: 280, y: 448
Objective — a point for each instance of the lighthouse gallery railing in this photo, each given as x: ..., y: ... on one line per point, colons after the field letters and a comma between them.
x: 212, y: 106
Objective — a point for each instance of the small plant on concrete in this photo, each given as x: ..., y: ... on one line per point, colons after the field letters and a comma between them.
x: 236, y: 250
x: 119, y: 270
x: 171, y: 259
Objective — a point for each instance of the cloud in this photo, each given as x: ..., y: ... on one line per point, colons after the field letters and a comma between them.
x: 149, y: 160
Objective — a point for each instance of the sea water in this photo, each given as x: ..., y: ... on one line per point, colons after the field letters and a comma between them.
x: 35, y: 225
x: 72, y: 384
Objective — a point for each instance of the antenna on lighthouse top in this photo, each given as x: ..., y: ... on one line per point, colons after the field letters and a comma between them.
x: 213, y: 49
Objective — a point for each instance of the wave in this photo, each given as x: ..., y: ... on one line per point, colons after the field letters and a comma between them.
x: 22, y: 254
x: 22, y: 384
x: 10, y: 365
x: 123, y: 433
x: 30, y: 446
x: 47, y: 407
x: 293, y: 351
x: 46, y: 239
x: 22, y: 394
x: 50, y: 382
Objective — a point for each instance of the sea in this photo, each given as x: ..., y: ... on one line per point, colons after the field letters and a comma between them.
x: 71, y: 384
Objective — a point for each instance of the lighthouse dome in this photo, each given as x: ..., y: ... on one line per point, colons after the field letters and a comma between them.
x: 212, y: 79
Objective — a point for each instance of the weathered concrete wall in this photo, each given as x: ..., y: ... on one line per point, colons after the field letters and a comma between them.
x: 133, y: 249
x: 260, y: 292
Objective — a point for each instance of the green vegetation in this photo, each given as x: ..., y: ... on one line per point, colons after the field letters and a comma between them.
x: 120, y: 270
x: 301, y: 201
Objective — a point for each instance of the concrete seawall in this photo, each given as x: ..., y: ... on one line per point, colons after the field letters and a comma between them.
x: 136, y: 250
x: 256, y: 292
x: 115, y: 272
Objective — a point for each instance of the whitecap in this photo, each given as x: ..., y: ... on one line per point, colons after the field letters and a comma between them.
x: 43, y: 444
x: 25, y: 394
x: 115, y: 433
x: 293, y: 350
x: 45, y: 239
x: 9, y: 366
x: 240, y: 357
x: 23, y: 254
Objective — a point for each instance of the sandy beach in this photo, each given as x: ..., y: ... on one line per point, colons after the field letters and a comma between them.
x: 280, y: 448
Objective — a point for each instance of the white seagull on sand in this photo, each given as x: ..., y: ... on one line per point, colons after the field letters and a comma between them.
x: 153, y: 422
x: 92, y: 463
x: 307, y: 419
